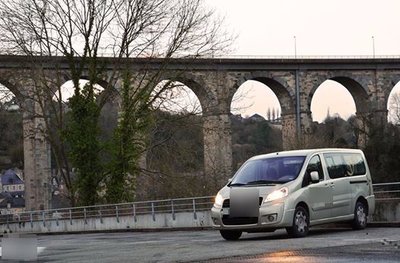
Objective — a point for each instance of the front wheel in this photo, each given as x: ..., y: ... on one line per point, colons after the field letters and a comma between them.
x: 360, y: 216
x: 231, y: 234
x: 301, y: 223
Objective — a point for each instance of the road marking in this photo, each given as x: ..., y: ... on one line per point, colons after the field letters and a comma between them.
x: 169, y: 240
x: 151, y: 242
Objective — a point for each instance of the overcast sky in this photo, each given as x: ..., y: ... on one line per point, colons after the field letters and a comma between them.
x: 321, y: 27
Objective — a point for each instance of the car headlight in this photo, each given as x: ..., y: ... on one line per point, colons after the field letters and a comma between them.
x: 218, y: 200
x: 277, y: 194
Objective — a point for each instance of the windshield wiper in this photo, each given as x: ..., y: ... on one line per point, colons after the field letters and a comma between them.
x: 263, y: 182
x: 236, y: 184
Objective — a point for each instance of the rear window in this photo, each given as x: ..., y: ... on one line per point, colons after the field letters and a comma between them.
x: 344, y: 164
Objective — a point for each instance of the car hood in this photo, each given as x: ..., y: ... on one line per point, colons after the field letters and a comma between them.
x: 263, y: 190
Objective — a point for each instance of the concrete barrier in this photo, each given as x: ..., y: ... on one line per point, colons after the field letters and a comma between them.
x: 160, y: 221
x: 387, y: 211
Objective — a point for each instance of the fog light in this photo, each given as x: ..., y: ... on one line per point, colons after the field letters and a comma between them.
x: 272, y: 217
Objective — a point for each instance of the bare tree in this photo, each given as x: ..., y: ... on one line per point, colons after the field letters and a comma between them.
x: 394, y: 108
x: 82, y: 31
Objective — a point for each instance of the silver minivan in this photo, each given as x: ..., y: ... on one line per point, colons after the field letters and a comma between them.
x: 295, y: 190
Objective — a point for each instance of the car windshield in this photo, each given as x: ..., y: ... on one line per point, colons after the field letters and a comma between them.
x: 277, y: 170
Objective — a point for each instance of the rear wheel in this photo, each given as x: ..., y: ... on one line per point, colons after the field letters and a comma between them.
x: 360, y: 215
x: 301, y: 223
x: 231, y: 234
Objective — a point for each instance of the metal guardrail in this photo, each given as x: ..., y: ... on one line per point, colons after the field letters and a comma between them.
x: 303, y: 57
x: 279, y: 56
x: 135, y: 209
x: 387, y: 191
x: 382, y: 191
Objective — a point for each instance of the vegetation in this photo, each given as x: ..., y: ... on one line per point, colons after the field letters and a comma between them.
x: 11, y: 141
x: 82, y: 31
x: 175, y: 157
x: 253, y: 136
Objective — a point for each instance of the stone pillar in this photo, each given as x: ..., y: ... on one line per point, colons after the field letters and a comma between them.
x: 289, y: 131
x: 361, y: 123
x: 217, y: 150
x: 291, y: 138
x: 306, y: 132
x: 37, y: 161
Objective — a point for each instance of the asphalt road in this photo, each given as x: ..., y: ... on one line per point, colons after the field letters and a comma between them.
x: 322, y: 245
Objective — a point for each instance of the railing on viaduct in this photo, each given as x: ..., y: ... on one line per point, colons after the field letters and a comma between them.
x: 384, y: 192
x: 285, y: 56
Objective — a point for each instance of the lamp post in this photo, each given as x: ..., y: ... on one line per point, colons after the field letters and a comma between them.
x: 373, y: 47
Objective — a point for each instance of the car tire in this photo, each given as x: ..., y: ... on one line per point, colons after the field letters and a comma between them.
x: 360, y: 215
x: 301, y: 223
x: 231, y: 234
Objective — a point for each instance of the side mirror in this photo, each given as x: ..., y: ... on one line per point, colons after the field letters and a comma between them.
x: 314, y: 177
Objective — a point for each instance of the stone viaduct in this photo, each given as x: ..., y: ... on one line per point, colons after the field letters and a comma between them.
x: 214, y: 81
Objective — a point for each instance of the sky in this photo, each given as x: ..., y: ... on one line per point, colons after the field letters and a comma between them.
x: 316, y: 28
x: 321, y: 27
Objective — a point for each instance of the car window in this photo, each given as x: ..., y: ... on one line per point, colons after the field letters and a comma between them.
x: 344, y: 164
x: 313, y: 165
x: 354, y: 164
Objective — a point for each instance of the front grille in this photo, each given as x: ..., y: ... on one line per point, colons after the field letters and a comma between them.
x: 226, y: 220
x: 226, y: 203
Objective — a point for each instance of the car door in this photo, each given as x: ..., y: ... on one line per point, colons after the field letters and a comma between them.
x: 319, y: 194
x: 339, y: 183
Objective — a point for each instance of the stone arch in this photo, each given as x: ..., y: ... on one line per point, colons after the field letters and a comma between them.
x: 282, y: 85
x: 359, y: 89
x: 18, y: 93
x: 186, y: 98
x: 101, y: 82
x: 196, y: 85
x: 103, y: 94
x: 393, y: 88
x: 358, y: 92
x: 185, y: 145
x: 392, y: 81
x: 217, y: 154
x: 282, y: 92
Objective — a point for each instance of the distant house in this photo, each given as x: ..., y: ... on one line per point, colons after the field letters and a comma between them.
x: 256, y: 117
x: 12, y: 192
x: 12, y: 182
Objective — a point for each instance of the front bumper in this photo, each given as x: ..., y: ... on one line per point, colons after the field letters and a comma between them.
x: 271, y: 215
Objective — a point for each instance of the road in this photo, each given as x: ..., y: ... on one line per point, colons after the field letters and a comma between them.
x: 322, y: 245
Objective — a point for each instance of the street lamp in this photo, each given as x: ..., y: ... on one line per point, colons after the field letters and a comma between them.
x: 373, y: 47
